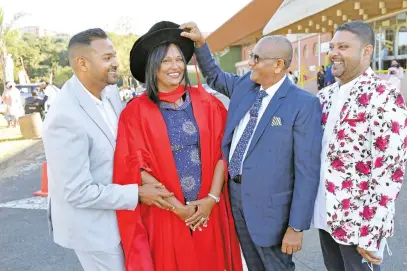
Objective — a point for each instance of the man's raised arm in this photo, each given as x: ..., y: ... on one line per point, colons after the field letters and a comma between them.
x: 216, y: 78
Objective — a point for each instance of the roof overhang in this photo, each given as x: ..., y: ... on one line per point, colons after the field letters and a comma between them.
x: 245, y: 25
x: 325, y: 16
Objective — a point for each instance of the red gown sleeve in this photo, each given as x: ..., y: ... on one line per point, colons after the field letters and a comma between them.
x: 127, y: 164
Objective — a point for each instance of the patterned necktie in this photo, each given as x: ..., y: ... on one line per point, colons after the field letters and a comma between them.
x: 237, y: 157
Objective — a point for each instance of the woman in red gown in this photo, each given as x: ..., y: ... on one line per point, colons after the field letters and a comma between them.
x: 172, y: 134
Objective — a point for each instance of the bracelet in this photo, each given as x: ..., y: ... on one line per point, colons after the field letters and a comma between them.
x: 217, y: 199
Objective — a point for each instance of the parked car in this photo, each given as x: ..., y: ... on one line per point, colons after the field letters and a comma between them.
x: 26, y: 90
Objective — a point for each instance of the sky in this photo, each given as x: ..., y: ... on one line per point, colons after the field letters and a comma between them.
x: 72, y: 16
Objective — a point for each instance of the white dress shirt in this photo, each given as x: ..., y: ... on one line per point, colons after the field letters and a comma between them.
x: 106, y: 110
x: 245, y: 120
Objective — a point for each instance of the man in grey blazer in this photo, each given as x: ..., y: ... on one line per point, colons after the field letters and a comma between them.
x: 79, y: 139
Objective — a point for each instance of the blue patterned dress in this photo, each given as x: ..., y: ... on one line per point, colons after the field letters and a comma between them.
x: 184, y: 138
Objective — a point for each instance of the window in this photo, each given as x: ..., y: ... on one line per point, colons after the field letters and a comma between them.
x: 402, y: 18
x: 378, y: 38
x: 316, y: 51
x: 387, y: 42
x: 402, y: 35
x: 305, y: 51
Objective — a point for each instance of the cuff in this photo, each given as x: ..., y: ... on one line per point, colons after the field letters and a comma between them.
x: 368, y: 243
x: 202, y: 50
x: 130, y: 194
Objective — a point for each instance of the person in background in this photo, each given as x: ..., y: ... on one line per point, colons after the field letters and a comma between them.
x: 291, y: 76
x: 396, y: 69
x: 35, y: 104
x: 50, y: 91
x: 125, y: 94
x: 395, y: 74
x: 14, y: 108
x: 329, y: 78
x: 321, y: 78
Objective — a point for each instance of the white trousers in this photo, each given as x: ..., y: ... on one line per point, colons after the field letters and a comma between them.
x: 108, y: 260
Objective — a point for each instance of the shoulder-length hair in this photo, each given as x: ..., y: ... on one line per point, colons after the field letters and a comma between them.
x: 153, y: 66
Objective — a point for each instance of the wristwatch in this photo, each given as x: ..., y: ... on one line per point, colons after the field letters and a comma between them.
x: 217, y: 199
x: 296, y: 230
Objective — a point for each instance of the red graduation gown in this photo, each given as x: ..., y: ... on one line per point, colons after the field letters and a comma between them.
x: 156, y: 239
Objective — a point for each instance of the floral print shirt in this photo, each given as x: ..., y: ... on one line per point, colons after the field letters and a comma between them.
x: 365, y: 161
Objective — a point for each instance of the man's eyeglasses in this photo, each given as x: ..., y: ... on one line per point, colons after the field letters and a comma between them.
x: 256, y: 58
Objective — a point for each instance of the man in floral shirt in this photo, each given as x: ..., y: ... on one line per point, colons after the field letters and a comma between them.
x: 363, y: 155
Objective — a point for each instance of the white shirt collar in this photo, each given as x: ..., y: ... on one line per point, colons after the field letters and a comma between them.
x: 271, y: 90
x: 350, y: 84
x: 94, y: 99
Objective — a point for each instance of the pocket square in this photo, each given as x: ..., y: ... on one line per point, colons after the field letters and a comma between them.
x: 276, y: 121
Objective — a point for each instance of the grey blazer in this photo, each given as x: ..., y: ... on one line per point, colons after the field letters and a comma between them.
x: 79, y: 148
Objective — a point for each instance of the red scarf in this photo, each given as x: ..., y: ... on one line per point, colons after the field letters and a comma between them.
x: 173, y: 96
x: 156, y: 239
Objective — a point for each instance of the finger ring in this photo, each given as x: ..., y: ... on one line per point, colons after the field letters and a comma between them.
x: 203, y: 219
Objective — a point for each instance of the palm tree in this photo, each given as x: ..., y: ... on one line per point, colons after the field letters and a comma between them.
x: 6, y: 33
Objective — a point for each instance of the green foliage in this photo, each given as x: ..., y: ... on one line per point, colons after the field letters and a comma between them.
x: 42, y: 55
x: 62, y: 74
x: 123, y: 45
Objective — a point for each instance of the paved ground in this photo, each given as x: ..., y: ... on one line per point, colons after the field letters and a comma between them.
x: 26, y: 245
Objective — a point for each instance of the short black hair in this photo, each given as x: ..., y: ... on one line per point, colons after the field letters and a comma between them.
x: 362, y: 30
x: 87, y: 36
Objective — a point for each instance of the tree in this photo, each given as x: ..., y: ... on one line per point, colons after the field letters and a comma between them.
x: 7, y: 34
x: 62, y: 74
x: 41, y: 55
x: 123, y: 45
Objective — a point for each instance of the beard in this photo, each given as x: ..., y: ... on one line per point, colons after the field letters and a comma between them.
x: 338, y: 69
x: 112, y: 78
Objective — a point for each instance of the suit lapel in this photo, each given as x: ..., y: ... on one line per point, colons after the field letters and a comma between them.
x: 274, y: 104
x: 114, y: 104
x: 244, y: 106
x: 90, y: 108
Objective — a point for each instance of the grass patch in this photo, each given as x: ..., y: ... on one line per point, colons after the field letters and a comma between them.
x: 11, y: 139
x: 10, y: 147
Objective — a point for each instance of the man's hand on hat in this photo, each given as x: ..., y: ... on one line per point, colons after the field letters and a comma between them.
x: 191, y: 31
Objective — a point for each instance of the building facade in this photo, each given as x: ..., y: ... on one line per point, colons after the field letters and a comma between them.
x: 37, y: 31
x: 310, y: 26
x: 391, y: 40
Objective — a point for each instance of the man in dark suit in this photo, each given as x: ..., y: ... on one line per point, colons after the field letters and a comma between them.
x: 35, y: 104
x: 272, y: 141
